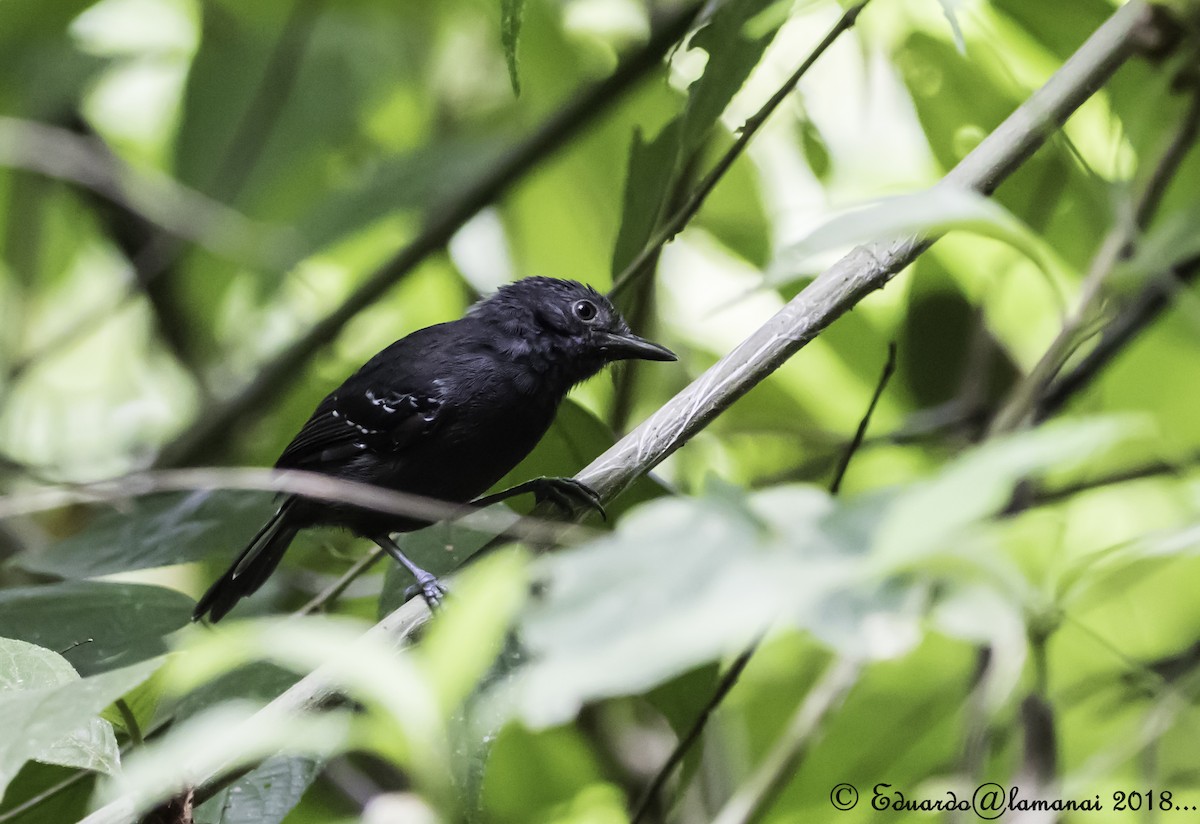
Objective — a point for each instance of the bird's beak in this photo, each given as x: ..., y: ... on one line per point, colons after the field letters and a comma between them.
x: 629, y: 346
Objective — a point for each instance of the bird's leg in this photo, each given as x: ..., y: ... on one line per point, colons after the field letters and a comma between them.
x: 566, y: 493
x: 431, y: 588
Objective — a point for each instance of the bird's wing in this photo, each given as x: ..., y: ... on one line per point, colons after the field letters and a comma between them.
x: 345, y: 425
x: 354, y: 421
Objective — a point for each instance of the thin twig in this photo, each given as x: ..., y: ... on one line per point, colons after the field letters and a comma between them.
x: 130, y: 721
x: 1017, y: 410
x: 1039, y: 763
x: 1168, y: 164
x: 1143, y: 311
x: 726, y: 683
x: 682, y: 216
x: 1046, y: 497
x: 339, y: 586
x: 757, y: 793
x: 314, y: 485
x: 212, y: 428
x: 889, y: 367
x: 1025, y: 401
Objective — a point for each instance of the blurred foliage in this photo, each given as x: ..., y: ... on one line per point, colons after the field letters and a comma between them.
x: 189, y: 187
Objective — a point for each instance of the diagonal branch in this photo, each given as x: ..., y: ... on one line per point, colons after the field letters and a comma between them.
x: 868, y: 267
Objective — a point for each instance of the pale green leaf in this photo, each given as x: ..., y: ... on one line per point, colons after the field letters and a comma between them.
x: 933, y: 211
x: 57, y: 720
x: 924, y: 517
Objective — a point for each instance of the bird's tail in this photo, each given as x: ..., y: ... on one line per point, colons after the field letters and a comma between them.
x: 251, y: 569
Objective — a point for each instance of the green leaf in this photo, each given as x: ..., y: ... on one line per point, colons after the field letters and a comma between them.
x: 37, y: 784
x: 735, y: 39
x: 53, y: 715
x: 924, y: 517
x: 470, y: 632
x: 154, y: 531
x: 816, y: 150
x: 26, y: 667
x: 263, y: 796
x: 684, y: 582
x: 221, y: 739
x: 652, y: 168
x: 96, y: 625
x: 934, y: 211
x: 511, y: 12
x: 734, y: 47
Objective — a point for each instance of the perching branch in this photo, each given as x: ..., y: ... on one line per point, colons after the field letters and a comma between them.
x: 868, y: 267
x: 834, y: 292
x: 213, y: 427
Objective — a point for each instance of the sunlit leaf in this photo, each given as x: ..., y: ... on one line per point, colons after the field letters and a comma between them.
x: 659, y: 598
x: 733, y: 48
x: 50, y: 714
x: 979, y: 483
x: 950, y: 10
x: 469, y: 634
x: 25, y: 667
x: 934, y: 211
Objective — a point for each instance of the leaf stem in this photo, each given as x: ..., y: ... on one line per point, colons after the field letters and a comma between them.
x: 339, y: 586
x: 130, y: 721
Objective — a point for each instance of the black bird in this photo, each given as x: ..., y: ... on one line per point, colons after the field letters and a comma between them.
x: 444, y: 412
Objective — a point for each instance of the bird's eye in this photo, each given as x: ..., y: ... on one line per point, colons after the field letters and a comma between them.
x: 585, y: 310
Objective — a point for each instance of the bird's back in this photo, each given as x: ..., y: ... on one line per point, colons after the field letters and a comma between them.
x: 444, y: 412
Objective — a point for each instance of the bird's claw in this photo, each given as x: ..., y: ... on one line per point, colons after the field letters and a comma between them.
x: 568, y: 495
x: 429, y: 588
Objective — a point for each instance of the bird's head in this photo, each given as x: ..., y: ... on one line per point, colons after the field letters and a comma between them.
x: 570, y: 324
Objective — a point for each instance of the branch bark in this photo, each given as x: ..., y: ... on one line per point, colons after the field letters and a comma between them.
x: 837, y: 290
x: 868, y: 267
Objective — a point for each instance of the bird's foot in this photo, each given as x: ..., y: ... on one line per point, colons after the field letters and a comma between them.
x: 568, y: 494
x: 429, y: 588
